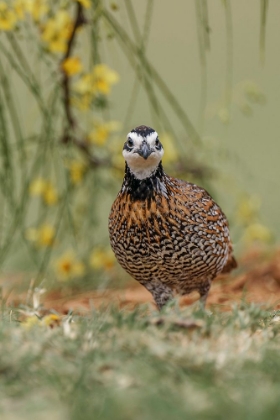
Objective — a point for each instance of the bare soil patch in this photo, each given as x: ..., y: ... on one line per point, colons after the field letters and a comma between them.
x: 256, y: 280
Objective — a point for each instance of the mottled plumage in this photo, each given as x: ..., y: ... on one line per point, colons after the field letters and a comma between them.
x: 168, y: 234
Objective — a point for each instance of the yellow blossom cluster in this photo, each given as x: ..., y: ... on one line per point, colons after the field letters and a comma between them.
x: 248, y: 216
x: 98, y: 82
x: 8, y: 17
x: 57, y: 30
x: 20, y: 9
x: 170, y: 151
x: 68, y: 266
x: 77, y: 171
x: 45, y: 189
x: 248, y: 209
x: 72, y: 66
x: 257, y: 232
x: 253, y: 92
x: 101, y: 132
x: 50, y: 320
x: 37, y: 8
x: 13, y: 11
x: 31, y: 321
x: 102, y: 258
x: 224, y: 115
x: 42, y: 236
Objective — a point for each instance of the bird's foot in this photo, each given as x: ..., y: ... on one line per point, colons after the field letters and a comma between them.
x: 172, y: 306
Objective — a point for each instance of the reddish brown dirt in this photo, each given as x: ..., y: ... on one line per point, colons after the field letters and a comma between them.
x: 256, y: 280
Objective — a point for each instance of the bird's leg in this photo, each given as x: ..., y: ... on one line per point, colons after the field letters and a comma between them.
x: 203, y: 299
x: 162, y: 294
x: 204, y: 291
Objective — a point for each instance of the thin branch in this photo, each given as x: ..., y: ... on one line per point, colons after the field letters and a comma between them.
x: 79, y: 21
x: 264, y: 9
x: 229, y: 57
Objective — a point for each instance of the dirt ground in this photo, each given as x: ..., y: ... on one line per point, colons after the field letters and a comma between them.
x: 257, y: 279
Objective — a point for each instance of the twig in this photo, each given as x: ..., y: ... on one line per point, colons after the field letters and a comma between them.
x: 67, y: 137
x: 79, y: 21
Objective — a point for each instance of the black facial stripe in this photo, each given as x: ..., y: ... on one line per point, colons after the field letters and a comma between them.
x: 159, y: 145
x: 126, y: 147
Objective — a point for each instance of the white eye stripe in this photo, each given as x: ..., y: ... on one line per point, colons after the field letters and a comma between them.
x: 151, y: 138
x: 138, y: 139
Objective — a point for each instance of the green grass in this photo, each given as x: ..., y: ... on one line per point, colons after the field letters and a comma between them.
x: 135, y: 365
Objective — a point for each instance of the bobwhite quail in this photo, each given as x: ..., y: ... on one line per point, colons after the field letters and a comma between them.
x: 168, y: 234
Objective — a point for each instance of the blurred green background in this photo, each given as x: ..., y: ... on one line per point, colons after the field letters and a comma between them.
x: 75, y: 77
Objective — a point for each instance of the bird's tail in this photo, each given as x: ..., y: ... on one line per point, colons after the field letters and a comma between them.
x: 231, y: 264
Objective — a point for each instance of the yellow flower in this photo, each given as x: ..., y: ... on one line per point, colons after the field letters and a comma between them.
x: 98, y: 81
x: 102, y: 259
x: 102, y: 131
x: 84, y: 88
x: 37, y: 187
x: 104, y: 78
x: 37, y: 8
x: 77, y: 170
x: 72, y: 66
x: 84, y: 85
x: 43, y: 236
x: 57, y: 31
x: 248, y: 209
x: 85, y: 3
x: 224, y: 115
x: 83, y: 102
x: 245, y: 109
x: 253, y: 92
x: 30, y: 322
x: 170, y: 151
x: 257, y: 232
x: 50, y: 194
x: 68, y: 266
x: 8, y: 17
x: 44, y: 188
x: 20, y: 8
x: 51, y: 320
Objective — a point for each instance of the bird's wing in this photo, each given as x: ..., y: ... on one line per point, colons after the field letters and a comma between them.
x: 197, y: 197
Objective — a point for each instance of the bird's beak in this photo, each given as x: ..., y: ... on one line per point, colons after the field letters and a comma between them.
x: 144, y: 150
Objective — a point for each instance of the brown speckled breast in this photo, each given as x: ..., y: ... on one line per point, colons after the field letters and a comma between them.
x: 176, y: 234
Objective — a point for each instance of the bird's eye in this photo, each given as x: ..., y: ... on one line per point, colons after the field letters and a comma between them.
x: 130, y: 142
x: 157, y: 142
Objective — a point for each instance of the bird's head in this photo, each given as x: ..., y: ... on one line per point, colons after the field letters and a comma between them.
x: 142, y: 151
